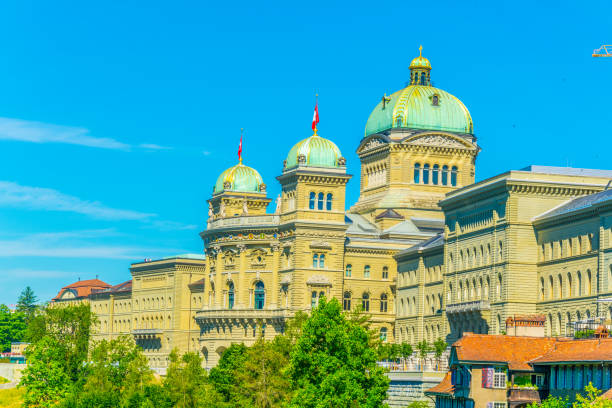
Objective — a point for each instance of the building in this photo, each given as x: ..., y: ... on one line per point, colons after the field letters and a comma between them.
x: 79, y: 291
x: 262, y: 268
x: 156, y: 307
x: 498, y: 371
x: 536, y: 240
x: 426, y: 251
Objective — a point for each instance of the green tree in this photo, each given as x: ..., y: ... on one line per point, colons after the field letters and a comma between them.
x: 223, y: 376
x: 12, y: 328
x: 439, y: 347
x: 423, y: 348
x: 45, y: 379
x: 263, y: 382
x: 333, y: 363
x: 186, y: 382
x: 69, y: 326
x: 26, y: 303
x: 406, y: 350
x: 418, y: 404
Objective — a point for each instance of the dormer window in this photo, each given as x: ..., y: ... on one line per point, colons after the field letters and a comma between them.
x: 435, y: 100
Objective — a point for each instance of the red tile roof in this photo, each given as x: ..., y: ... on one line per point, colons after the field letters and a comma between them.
x: 83, y: 288
x: 566, y: 350
x: 444, y: 387
x: 607, y: 394
x: 516, y: 351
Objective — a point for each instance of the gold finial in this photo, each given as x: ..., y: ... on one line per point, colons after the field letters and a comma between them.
x: 420, y: 50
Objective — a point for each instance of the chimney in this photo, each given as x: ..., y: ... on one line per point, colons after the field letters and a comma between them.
x: 526, y: 325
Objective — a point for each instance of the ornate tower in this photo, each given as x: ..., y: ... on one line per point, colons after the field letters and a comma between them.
x: 419, y: 144
x: 312, y: 221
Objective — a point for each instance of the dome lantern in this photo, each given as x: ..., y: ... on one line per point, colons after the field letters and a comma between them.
x: 420, y: 69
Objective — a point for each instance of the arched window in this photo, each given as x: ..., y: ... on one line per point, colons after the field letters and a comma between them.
x: 434, y: 174
x: 346, y: 301
x: 426, y: 174
x: 383, y: 303
x: 569, y: 285
x: 423, y: 82
x: 398, y: 122
x: 383, y: 334
x: 499, y: 286
x: 560, y: 288
x: 260, y: 295
x: 328, y: 202
x: 385, y: 272
x: 366, y: 271
x: 454, y: 176
x: 313, y: 300
x: 444, y: 175
x: 230, y: 295
x: 311, y: 204
x: 541, y: 288
x: 588, y: 283
x: 417, y: 173
x: 320, y: 198
x: 365, y: 302
x: 315, y: 261
x: 322, y: 261
x: 551, y: 287
x: 349, y: 270
x: 580, y: 291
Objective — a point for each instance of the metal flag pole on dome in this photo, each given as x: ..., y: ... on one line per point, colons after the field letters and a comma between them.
x: 240, y: 146
x: 315, y: 117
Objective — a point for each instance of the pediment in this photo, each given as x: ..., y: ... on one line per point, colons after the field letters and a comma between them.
x: 439, y: 140
x: 371, y: 143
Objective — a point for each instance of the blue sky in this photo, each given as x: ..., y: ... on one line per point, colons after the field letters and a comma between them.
x: 117, y: 117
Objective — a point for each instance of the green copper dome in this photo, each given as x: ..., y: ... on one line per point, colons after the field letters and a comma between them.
x: 239, y: 178
x: 420, y: 107
x: 314, y: 151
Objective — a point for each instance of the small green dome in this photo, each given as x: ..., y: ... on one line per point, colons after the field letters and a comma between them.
x: 316, y: 152
x: 420, y: 107
x: 239, y: 178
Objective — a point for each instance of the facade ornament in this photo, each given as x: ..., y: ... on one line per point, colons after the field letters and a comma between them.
x: 210, y: 211
x: 275, y: 246
x: 222, y: 209
x: 263, y: 187
x: 241, y: 247
x: 437, y: 141
x: 278, y: 204
x: 216, y: 249
x: 227, y: 185
x: 245, y: 209
x: 284, y: 164
x: 302, y: 159
x: 341, y: 161
x: 373, y: 144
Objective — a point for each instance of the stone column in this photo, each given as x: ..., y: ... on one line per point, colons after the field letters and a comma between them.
x: 218, y: 277
x: 275, y: 282
x: 241, y: 290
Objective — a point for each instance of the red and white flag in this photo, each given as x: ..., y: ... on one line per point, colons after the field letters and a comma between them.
x: 315, y: 117
x: 240, y: 149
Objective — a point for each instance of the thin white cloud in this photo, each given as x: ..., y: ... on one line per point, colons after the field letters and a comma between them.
x: 35, y: 273
x: 153, y: 146
x: 40, y: 132
x: 40, y: 198
x: 206, y: 153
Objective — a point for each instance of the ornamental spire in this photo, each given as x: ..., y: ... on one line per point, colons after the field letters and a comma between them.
x: 420, y: 69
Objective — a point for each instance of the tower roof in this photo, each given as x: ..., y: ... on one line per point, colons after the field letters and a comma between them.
x: 420, y: 106
x: 314, y: 151
x: 239, y: 178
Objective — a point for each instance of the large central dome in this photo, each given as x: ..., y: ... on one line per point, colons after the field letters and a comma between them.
x: 420, y: 106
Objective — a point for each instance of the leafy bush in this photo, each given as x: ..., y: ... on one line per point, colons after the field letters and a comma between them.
x: 584, y: 334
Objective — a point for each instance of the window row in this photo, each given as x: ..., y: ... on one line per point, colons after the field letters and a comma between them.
x: 567, y: 247
x: 475, y: 257
x: 559, y: 324
x: 566, y: 285
x: 474, y: 289
x: 257, y: 296
x: 318, y: 261
x: 432, y: 332
x: 320, y: 201
x: 348, y: 272
x: 435, y: 175
x: 364, y: 302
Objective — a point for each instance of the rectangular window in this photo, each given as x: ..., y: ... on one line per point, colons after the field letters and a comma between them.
x: 499, y: 405
x: 499, y: 378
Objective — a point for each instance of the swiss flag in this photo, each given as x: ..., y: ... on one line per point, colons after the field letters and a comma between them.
x: 315, y: 117
x: 240, y: 149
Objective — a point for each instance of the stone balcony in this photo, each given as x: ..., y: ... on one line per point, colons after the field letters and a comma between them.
x: 465, y: 307
x: 146, y: 333
x: 238, y: 314
x: 246, y: 220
